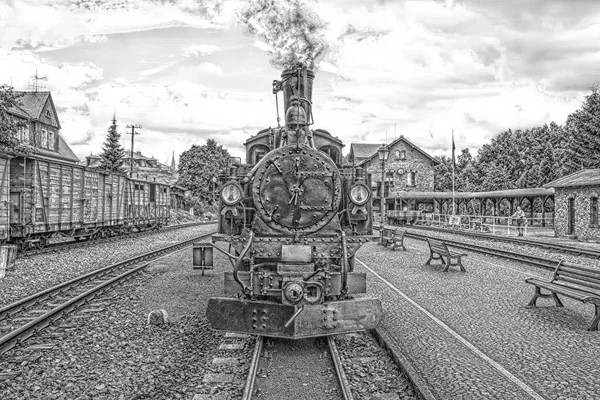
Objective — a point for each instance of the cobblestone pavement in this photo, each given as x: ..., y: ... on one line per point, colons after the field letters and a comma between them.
x: 471, y: 336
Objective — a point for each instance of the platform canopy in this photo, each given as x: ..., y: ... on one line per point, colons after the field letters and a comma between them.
x: 512, y: 193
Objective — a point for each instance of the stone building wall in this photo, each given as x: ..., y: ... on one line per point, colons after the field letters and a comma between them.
x: 400, y: 168
x: 582, y: 195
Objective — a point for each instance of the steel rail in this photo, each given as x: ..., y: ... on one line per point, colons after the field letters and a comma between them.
x: 22, y: 333
x: 88, y: 242
x: 550, y: 246
x: 254, y: 364
x: 339, y: 369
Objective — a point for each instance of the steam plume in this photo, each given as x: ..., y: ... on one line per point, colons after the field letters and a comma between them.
x: 292, y: 30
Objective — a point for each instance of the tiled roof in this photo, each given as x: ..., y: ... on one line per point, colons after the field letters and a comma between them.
x: 64, y: 152
x: 586, y: 177
x: 34, y: 102
x: 374, y: 147
x: 363, y: 150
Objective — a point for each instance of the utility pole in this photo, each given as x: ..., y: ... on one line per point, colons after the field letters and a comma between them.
x: 132, y: 133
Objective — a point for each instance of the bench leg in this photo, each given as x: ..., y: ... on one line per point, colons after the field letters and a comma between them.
x: 557, y: 300
x: 430, y: 259
x: 538, y: 294
x: 594, y: 325
x: 535, y: 297
x: 462, y: 268
x: 446, y: 263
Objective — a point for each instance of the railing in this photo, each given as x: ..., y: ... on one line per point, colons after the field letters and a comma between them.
x: 494, y: 224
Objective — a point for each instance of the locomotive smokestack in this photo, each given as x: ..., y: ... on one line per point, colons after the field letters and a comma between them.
x: 297, y: 84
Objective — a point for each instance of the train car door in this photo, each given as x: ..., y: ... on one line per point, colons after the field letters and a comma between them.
x: 571, y: 220
x: 15, y: 208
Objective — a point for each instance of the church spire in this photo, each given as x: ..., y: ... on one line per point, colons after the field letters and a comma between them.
x: 173, y: 161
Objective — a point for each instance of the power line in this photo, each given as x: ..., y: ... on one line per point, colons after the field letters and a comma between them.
x: 132, y: 133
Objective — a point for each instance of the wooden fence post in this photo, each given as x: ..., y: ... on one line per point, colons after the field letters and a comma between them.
x: 8, y: 254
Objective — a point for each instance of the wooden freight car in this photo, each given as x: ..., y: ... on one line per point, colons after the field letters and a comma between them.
x: 4, y: 196
x: 49, y: 197
x: 148, y: 204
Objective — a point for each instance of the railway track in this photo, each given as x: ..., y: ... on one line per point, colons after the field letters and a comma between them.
x: 365, y: 355
x: 578, y: 251
x: 71, y: 244
x: 250, y: 389
x: 24, y: 318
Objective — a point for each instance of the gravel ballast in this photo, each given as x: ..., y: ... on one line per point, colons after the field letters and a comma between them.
x: 35, y: 273
x: 111, y: 352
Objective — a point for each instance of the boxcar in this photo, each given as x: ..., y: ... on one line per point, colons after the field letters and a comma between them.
x: 42, y: 197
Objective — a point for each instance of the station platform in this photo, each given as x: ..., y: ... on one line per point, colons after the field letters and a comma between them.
x: 470, y: 335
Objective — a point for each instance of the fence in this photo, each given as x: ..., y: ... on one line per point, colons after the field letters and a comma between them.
x: 494, y: 224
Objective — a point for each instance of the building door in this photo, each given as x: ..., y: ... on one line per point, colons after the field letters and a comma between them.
x: 571, y: 218
x: 15, y: 208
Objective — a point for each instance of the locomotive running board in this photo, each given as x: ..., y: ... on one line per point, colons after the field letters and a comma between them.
x: 284, y: 321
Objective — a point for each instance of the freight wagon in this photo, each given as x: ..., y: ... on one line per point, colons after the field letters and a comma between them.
x: 42, y: 197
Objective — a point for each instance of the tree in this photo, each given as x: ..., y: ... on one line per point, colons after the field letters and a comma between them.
x: 111, y: 158
x: 10, y: 126
x: 583, y: 129
x: 197, y: 167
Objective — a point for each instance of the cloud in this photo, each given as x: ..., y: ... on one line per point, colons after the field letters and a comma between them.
x: 195, y: 50
x: 210, y: 68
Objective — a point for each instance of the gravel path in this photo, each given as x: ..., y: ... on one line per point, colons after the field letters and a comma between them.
x: 34, y: 273
x: 547, y: 348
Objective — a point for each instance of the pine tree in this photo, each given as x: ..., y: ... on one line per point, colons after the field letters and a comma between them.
x: 113, y: 152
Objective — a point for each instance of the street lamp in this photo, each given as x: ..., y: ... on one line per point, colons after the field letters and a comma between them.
x: 214, y: 185
x: 383, y: 154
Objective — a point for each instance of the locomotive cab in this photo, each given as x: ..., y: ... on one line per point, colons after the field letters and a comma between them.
x: 294, y: 222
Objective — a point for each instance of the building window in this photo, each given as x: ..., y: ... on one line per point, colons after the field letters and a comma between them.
x: 411, y: 178
x: 400, y: 154
x: 44, y: 139
x: 594, y: 211
x: 24, y: 133
x: 51, y: 140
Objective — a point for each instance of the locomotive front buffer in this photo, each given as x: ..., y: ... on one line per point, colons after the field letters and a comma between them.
x: 311, y: 298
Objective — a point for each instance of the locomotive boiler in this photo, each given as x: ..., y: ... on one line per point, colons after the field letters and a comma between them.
x: 291, y: 220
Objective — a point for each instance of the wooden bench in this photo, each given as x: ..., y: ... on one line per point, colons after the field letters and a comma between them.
x: 438, y: 250
x: 574, y: 281
x: 393, y: 237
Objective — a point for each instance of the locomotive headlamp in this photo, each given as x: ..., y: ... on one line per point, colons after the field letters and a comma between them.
x: 359, y: 194
x: 231, y: 194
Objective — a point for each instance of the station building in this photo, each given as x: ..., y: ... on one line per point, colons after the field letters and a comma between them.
x: 407, y: 169
x: 576, y: 205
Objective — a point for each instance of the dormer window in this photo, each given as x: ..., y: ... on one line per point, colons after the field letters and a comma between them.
x: 48, y: 115
x: 44, y: 140
x: 51, y: 140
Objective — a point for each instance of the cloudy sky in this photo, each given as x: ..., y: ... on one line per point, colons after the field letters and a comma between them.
x: 186, y: 70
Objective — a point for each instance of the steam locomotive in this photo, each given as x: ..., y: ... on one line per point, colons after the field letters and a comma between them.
x: 291, y: 221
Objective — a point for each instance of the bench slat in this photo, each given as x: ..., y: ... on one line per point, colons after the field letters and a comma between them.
x: 591, y: 275
x: 579, y: 282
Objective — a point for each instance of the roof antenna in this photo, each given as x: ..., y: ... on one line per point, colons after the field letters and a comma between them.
x: 36, y: 85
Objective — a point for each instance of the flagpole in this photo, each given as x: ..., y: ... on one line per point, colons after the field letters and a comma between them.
x: 453, y: 199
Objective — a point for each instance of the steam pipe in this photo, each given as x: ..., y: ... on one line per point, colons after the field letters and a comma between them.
x: 344, y: 288
x: 239, y: 261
